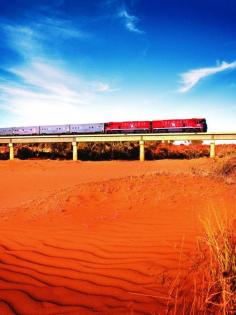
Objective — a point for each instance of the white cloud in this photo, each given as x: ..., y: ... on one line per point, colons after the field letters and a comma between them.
x: 23, y: 39
x: 130, y: 21
x: 43, y: 27
x: 104, y: 87
x: 48, y: 77
x: 57, y: 27
x: 41, y: 90
x: 26, y: 108
x: 46, y: 93
x: 31, y: 38
x: 192, y: 77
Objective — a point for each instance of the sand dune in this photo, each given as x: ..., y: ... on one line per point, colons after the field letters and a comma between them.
x: 100, y: 238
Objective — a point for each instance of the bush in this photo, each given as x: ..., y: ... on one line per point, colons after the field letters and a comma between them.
x: 170, y: 151
x: 210, y: 286
x: 116, y: 151
x: 108, y: 151
x: 4, y: 156
x: 226, y: 169
x: 223, y: 150
x: 221, y: 242
x: 24, y: 153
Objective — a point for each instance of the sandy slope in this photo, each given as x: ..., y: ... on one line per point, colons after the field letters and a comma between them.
x: 100, y: 238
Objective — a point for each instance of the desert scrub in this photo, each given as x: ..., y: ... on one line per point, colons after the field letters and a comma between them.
x: 223, y: 150
x: 226, y: 168
x: 209, y: 286
x: 220, y: 169
x: 171, y: 151
x: 220, y: 239
x: 154, y: 150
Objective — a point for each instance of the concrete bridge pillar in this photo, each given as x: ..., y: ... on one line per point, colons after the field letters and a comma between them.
x: 75, y: 153
x: 212, y: 149
x: 11, y: 151
x: 141, y: 151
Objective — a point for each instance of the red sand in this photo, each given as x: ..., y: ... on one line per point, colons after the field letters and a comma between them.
x: 100, y: 237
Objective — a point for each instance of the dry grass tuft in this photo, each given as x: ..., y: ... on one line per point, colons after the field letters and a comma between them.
x: 226, y: 169
x: 221, y: 168
x: 223, y: 150
x: 227, y: 166
x: 210, y: 287
x: 220, y: 238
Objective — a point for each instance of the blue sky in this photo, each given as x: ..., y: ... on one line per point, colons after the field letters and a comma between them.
x: 72, y: 61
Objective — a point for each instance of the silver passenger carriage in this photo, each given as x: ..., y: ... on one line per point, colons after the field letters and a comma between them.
x: 24, y: 131
x: 87, y: 128
x: 54, y: 129
x: 6, y: 131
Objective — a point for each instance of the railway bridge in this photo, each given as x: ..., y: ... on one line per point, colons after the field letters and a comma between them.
x: 213, y: 137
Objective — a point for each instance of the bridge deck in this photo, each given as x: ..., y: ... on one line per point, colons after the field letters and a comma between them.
x: 120, y: 137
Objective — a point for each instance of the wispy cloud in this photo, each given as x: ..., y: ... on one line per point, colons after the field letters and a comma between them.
x: 104, y: 87
x: 45, y: 93
x: 42, y: 90
x: 29, y: 36
x: 58, y: 27
x: 192, y: 77
x: 130, y: 21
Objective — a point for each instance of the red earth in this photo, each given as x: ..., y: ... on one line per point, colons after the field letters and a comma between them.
x: 101, y: 237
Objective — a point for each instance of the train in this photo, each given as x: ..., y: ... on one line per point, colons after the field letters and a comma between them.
x: 155, y: 126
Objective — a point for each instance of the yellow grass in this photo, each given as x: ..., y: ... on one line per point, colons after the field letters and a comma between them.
x: 220, y: 239
x: 213, y: 285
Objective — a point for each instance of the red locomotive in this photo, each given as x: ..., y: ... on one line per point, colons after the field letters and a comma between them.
x: 180, y: 125
x: 157, y: 126
x: 128, y: 127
